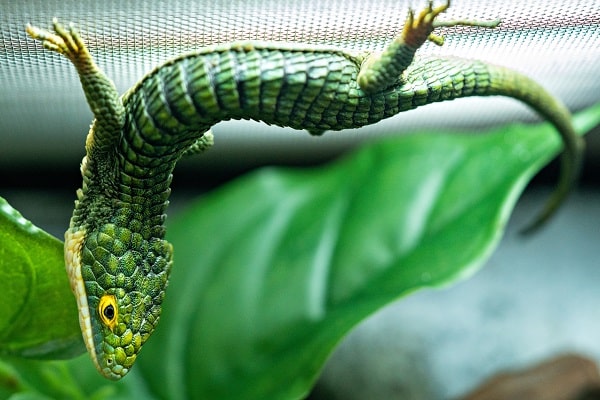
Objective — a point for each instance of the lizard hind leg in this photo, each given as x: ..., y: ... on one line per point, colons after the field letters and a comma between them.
x: 381, y: 70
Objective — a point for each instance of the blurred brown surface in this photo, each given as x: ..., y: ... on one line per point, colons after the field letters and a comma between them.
x: 567, y: 377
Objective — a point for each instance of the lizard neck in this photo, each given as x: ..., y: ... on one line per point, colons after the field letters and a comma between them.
x: 124, y: 188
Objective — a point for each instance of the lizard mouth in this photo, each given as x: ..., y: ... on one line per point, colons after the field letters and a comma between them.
x: 112, y: 370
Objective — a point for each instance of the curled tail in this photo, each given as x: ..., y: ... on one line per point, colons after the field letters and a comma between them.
x: 506, y: 82
x: 430, y: 80
x: 438, y: 79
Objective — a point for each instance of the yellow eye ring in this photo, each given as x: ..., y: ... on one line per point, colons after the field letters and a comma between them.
x: 108, y: 310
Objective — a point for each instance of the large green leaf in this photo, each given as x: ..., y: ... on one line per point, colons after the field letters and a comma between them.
x: 75, y: 379
x: 38, y: 314
x: 272, y: 270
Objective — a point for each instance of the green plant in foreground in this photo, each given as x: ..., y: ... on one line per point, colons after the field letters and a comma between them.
x: 272, y: 270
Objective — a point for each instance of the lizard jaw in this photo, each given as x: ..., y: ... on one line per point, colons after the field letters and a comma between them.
x: 73, y: 245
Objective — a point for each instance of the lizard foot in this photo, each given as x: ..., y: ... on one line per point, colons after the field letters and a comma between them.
x: 63, y: 41
x: 420, y: 29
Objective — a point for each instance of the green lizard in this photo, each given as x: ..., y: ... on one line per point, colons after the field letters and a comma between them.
x: 117, y: 259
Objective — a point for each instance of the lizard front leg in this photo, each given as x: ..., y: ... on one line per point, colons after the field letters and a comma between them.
x: 100, y: 92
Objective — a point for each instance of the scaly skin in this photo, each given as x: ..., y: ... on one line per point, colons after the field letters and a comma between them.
x: 117, y: 259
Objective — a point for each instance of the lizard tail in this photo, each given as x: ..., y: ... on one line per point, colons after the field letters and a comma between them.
x: 439, y: 79
x: 507, y: 82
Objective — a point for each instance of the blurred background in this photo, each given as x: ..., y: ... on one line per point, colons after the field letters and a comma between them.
x: 537, y: 297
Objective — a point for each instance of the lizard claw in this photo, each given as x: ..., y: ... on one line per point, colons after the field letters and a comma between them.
x: 419, y: 29
x: 63, y: 41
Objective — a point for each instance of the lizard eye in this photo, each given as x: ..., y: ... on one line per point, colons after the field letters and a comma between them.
x: 108, y: 311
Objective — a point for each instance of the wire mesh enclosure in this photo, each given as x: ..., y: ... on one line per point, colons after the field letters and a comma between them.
x: 44, y: 116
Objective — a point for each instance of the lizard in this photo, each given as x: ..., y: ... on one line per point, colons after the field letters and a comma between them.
x: 116, y: 256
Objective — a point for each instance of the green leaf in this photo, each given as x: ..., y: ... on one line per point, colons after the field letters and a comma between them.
x: 273, y: 270
x: 75, y: 379
x: 38, y: 314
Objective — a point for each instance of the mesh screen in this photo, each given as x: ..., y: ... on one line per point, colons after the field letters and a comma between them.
x: 43, y: 114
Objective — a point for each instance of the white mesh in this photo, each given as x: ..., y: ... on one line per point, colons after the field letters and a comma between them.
x: 43, y: 113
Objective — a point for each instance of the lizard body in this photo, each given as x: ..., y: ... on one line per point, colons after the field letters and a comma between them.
x: 117, y: 259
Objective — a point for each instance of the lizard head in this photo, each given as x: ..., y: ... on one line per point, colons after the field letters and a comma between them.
x: 119, y: 280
